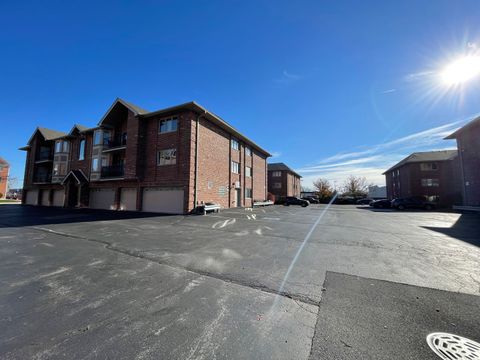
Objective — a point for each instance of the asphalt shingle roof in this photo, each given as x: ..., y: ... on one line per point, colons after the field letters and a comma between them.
x: 281, y: 167
x: 50, y: 134
x: 439, y: 155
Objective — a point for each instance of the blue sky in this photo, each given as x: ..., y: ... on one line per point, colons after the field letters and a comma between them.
x: 330, y: 87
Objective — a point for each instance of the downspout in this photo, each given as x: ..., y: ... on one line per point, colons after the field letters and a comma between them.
x: 195, y: 178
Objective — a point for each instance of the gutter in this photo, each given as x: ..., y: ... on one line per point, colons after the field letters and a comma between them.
x: 195, y: 178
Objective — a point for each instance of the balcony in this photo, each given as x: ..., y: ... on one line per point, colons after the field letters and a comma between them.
x: 117, y: 143
x: 44, y: 156
x: 42, y: 178
x: 113, y: 171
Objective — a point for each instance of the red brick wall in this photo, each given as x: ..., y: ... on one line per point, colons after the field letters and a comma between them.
x: 4, y: 180
x: 468, y: 143
x: 74, y: 163
x: 259, y: 176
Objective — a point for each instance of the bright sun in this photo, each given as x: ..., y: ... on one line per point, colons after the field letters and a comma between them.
x: 461, y: 70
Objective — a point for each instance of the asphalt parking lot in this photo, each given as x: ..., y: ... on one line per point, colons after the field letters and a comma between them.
x: 110, y: 285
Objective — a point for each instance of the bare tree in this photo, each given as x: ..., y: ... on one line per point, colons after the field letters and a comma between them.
x: 323, y: 188
x: 355, y: 186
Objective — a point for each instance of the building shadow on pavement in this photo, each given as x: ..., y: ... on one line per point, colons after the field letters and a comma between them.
x: 466, y: 228
x: 28, y: 215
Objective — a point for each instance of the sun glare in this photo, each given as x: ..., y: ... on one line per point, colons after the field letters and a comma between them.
x: 461, y: 70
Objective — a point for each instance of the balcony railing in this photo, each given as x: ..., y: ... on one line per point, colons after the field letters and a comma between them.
x: 42, y: 178
x: 44, y: 155
x: 117, y: 141
x: 112, y: 171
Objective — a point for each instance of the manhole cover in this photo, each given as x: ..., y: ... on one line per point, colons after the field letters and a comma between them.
x: 453, y: 347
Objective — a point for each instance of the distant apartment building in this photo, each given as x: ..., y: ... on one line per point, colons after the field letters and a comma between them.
x: 283, y: 181
x: 433, y: 174
x: 468, y: 144
x: 4, y: 174
x: 167, y: 161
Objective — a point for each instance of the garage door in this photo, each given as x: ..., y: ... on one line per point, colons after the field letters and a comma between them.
x: 169, y: 201
x: 128, y: 199
x: 58, y: 197
x: 32, y: 197
x: 102, y: 199
x: 45, y: 201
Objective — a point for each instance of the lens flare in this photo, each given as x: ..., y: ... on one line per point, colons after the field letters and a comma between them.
x: 461, y: 70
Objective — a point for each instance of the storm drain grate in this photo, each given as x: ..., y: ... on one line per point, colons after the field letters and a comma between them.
x: 453, y: 347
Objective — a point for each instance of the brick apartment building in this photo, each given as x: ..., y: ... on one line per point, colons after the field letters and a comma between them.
x: 433, y: 174
x: 167, y: 161
x: 4, y: 173
x: 283, y: 181
x: 468, y: 144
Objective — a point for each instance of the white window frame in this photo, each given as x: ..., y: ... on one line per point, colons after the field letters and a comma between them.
x: 171, y: 125
x: 276, y: 173
x: 248, y: 171
x: 277, y: 185
x: 430, y: 182
x: 95, y: 164
x: 65, y: 146
x: 167, y: 157
x: 248, y: 151
x: 235, y: 167
x: 235, y: 144
x: 248, y: 193
x: 81, y: 149
x: 58, y: 146
x: 97, y: 137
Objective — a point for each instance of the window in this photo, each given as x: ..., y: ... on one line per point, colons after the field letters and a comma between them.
x: 106, y: 137
x: 248, y: 151
x: 430, y: 182
x: 59, y: 169
x: 428, y: 166
x: 248, y: 193
x: 95, y: 164
x: 65, y: 146
x: 58, y: 146
x: 277, y: 173
x: 97, y: 137
x: 248, y: 171
x: 168, y: 125
x: 235, y: 167
x: 167, y: 157
x: 277, y: 185
x: 234, y: 143
x: 81, y: 150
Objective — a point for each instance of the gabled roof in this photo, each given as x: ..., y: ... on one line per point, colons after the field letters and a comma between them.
x: 281, y: 167
x: 439, y: 155
x: 217, y: 120
x: 466, y: 127
x: 48, y: 134
x: 137, y: 110
x: 3, y: 162
x: 77, y: 175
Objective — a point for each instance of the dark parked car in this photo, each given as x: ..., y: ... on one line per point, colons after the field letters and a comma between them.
x: 414, y: 202
x: 292, y: 200
x: 381, y: 204
x: 345, y: 200
x: 311, y: 199
x: 364, y: 201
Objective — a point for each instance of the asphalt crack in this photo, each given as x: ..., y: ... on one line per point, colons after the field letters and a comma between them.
x: 253, y: 285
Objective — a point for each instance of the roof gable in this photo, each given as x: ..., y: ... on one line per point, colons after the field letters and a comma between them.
x: 439, y: 155
x: 281, y: 167
x: 119, y: 102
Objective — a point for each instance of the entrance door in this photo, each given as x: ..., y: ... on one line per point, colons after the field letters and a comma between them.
x: 238, y: 196
x: 72, y: 195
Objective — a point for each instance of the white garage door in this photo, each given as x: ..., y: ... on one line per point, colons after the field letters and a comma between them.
x: 58, y: 197
x: 32, y: 197
x: 169, y: 201
x: 102, y: 199
x: 128, y: 199
x: 45, y: 201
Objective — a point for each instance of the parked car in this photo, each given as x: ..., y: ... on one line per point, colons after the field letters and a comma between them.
x: 345, y: 200
x: 413, y: 202
x: 364, y: 201
x: 292, y: 200
x: 381, y: 204
x: 311, y: 199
